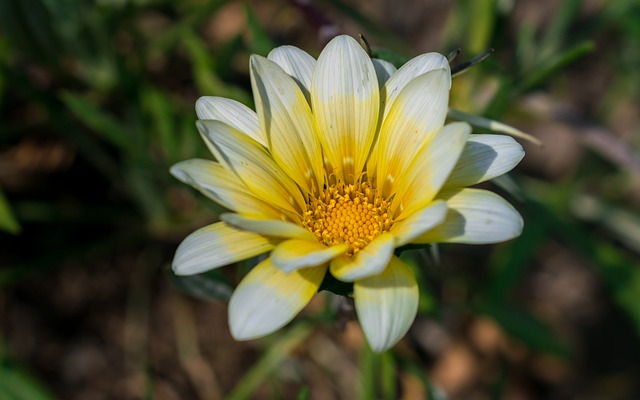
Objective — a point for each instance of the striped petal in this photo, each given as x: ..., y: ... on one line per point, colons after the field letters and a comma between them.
x: 267, y: 299
x: 232, y: 113
x: 345, y: 102
x: 222, y: 186
x: 475, y: 217
x: 298, y: 64
x: 415, y: 117
x: 287, y: 120
x: 371, y: 260
x: 294, y: 254
x: 430, y: 169
x: 268, y: 227
x: 252, y: 164
x: 485, y: 157
x: 413, y: 68
x: 215, y: 246
x: 386, y: 304
x: 419, y: 222
x: 384, y: 70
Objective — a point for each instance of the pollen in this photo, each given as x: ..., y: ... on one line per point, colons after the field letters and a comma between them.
x: 347, y: 213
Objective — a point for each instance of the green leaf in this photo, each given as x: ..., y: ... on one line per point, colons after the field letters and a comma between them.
x: 260, y: 42
x: 208, y: 286
x: 8, y: 221
x: 15, y: 384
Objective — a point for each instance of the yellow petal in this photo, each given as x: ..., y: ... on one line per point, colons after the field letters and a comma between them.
x: 345, y: 101
x: 267, y: 299
x: 386, y: 304
x: 252, y: 164
x: 415, y: 117
x: 268, y: 227
x: 298, y: 64
x: 215, y: 246
x: 406, y: 230
x: 294, y: 254
x: 371, y: 260
x: 475, y: 216
x: 286, y: 118
x: 232, y: 113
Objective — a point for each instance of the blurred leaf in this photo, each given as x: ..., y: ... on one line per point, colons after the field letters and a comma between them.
x: 8, y: 221
x: 15, y: 384
x: 304, y: 394
x: 158, y: 105
x: 522, y: 326
x: 481, y: 14
x: 208, y: 286
x: 557, y: 30
x: 387, y: 379
x: 99, y: 121
x: 284, y: 343
x: 260, y: 42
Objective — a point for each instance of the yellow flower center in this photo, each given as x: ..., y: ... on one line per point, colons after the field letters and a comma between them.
x: 352, y: 214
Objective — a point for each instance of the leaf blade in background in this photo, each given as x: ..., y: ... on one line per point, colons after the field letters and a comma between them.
x: 8, y: 221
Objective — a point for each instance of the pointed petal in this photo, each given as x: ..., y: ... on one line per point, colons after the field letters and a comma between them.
x: 345, y: 101
x: 413, y: 68
x: 384, y: 70
x: 298, y: 64
x: 419, y: 222
x: 215, y: 246
x: 485, y: 157
x: 288, y: 123
x: 415, y: 117
x: 371, y: 260
x: 252, y: 164
x: 387, y: 304
x: 232, y: 113
x: 222, y: 186
x: 430, y: 169
x: 294, y: 254
x: 267, y: 299
x: 475, y: 217
x: 268, y: 227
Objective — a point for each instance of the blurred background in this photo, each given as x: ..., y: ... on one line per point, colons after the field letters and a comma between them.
x: 97, y: 102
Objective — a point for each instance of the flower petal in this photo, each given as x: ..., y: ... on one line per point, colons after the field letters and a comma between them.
x: 253, y: 165
x: 222, y: 186
x: 268, y: 227
x: 475, y: 217
x: 485, y: 157
x: 294, y: 254
x: 386, y: 304
x: 413, y: 68
x: 430, y: 169
x: 345, y: 101
x: 384, y: 70
x: 267, y: 299
x: 288, y: 123
x: 419, y: 222
x: 298, y: 64
x: 415, y: 117
x: 232, y: 113
x: 371, y: 260
x: 215, y: 246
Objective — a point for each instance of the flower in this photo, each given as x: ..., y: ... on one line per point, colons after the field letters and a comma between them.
x: 344, y: 160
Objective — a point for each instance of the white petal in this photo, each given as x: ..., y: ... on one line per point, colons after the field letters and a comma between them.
x: 267, y: 299
x: 419, y: 222
x: 413, y: 68
x: 252, y: 164
x: 215, y: 246
x: 430, y: 168
x: 475, y: 217
x: 345, y: 101
x: 232, y: 113
x: 297, y: 63
x: 384, y: 70
x: 371, y: 260
x: 222, y: 186
x: 387, y: 304
x: 288, y: 123
x: 268, y: 227
x: 415, y: 117
x: 485, y: 157
x: 294, y: 254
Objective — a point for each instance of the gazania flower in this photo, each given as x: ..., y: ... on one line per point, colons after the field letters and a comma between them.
x: 344, y: 160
